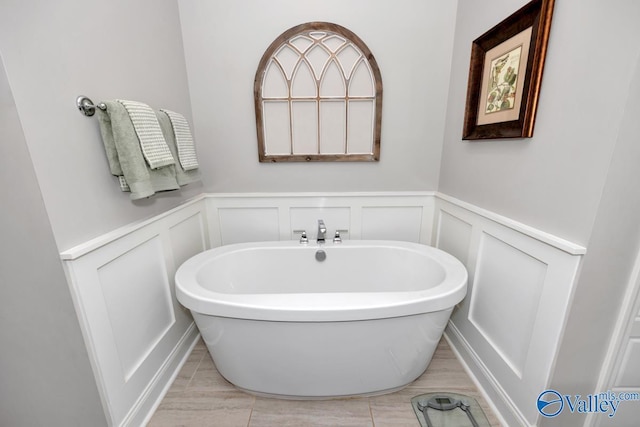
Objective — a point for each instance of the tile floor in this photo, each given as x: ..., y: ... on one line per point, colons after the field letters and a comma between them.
x: 200, y: 396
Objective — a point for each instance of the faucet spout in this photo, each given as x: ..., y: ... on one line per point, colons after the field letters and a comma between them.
x: 322, y: 229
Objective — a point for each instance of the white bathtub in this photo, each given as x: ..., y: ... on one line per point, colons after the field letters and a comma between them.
x: 364, y: 321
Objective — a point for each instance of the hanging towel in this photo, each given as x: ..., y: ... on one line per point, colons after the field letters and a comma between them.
x: 183, y: 176
x: 145, y: 123
x: 184, y: 140
x: 123, y: 184
x: 125, y: 157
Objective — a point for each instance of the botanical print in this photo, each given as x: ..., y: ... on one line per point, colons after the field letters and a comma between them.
x: 502, y: 81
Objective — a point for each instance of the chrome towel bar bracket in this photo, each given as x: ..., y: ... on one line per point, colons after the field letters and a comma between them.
x: 86, y: 106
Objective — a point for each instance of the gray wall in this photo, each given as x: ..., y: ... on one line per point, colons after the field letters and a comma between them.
x: 554, y: 180
x: 411, y: 41
x: 45, y: 376
x: 607, y: 266
x: 578, y: 176
x: 57, y: 190
x: 572, y: 179
x: 55, y: 51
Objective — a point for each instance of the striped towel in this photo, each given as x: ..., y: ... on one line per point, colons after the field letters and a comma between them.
x: 154, y: 147
x: 184, y: 140
x: 123, y: 184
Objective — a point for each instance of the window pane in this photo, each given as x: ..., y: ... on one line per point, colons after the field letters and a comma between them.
x: 348, y: 57
x: 301, y: 43
x: 303, y: 82
x: 360, y: 136
x: 332, y: 127
x: 275, y: 86
x: 305, y: 127
x: 288, y: 58
x: 277, y: 139
x: 333, y: 82
x: 333, y: 42
x: 362, y: 82
x: 318, y: 58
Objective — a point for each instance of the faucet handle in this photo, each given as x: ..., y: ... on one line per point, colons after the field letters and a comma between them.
x: 337, y: 238
x: 303, y: 236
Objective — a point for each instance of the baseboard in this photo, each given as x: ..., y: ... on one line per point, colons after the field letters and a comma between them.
x: 506, y: 412
x: 149, y: 401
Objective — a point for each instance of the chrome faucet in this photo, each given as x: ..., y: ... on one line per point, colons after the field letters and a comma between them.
x: 303, y: 236
x: 322, y: 229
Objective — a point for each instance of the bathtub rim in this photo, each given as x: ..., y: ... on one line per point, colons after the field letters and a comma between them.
x: 321, y: 307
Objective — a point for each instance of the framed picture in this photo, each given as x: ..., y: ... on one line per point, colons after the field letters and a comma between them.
x: 505, y: 74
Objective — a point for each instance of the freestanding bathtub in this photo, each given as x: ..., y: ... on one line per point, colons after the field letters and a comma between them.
x: 278, y: 322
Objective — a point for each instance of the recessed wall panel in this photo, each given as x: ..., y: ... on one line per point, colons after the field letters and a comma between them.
x: 506, y: 295
x: 392, y: 223
x: 635, y: 328
x: 627, y: 413
x: 239, y: 225
x: 454, y: 236
x: 187, y: 239
x: 138, y: 301
x: 629, y: 373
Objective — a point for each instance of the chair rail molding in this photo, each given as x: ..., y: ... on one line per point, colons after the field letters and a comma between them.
x: 136, y: 333
x: 506, y: 331
x: 521, y: 282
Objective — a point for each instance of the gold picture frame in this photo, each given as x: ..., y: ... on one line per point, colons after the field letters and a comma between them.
x: 505, y: 75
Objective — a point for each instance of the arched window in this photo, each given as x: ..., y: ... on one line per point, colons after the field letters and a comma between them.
x: 318, y: 97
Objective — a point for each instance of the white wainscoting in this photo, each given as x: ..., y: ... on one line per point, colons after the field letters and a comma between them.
x: 508, y: 327
x: 506, y: 330
x: 621, y: 369
x: 235, y: 218
x: 136, y: 332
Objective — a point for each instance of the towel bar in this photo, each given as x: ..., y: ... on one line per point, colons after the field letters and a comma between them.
x: 86, y: 106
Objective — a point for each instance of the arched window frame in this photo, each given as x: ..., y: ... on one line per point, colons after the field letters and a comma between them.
x: 367, y: 57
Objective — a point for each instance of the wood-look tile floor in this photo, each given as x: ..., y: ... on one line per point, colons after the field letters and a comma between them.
x: 200, y: 396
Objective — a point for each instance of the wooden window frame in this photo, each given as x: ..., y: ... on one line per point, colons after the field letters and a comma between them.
x: 272, y: 50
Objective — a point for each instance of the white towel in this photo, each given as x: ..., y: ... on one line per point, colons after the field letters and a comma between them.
x: 184, y: 140
x: 154, y: 147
